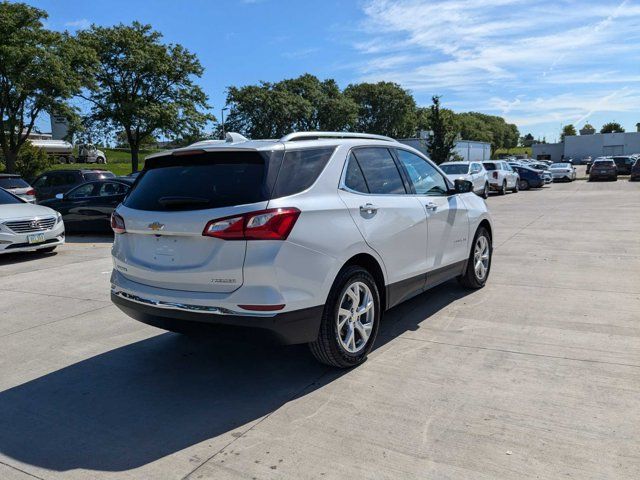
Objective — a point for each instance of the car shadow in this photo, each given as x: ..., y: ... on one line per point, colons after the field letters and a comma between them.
x: 89, y: 237
x: 138, y: 403
x: 22, y: 257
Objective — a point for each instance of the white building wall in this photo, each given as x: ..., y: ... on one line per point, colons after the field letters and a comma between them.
x: 467, y: 149
x: 596, y: 145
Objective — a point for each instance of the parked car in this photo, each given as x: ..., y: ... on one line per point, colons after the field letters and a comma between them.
x: 544, y: 167
x: 50, y: 183
x: 472, y: 171
x: 501, y: 176
x: 310, y: 237
x: 529, y: 177
x: 635, y: 171
x: 624, y: 163
x: 603, y: 169
x: 15, y: 184
x: 88, y: 207
x: 25, y: 227
x: 563, y: 172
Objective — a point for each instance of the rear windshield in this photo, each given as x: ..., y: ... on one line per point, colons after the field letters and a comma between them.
x: 200, y: 181
x: 489, y: 166
x: 604, y: 162
x: 13, y: 182
x: 6, y: 198
x: 454, y: 169
x: 91, y: 176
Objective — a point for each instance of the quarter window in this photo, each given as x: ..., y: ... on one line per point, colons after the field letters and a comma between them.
x: 380, y: 171
x: 354, y: 178
x: 300, y: 169
x: 425, y: 178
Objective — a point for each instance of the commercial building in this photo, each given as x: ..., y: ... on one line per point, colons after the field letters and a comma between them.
x: 469, y: 150
x: 596, y: 145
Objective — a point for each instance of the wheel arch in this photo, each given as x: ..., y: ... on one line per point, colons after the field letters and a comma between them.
x: 486, y: 224
x: 371, y: 264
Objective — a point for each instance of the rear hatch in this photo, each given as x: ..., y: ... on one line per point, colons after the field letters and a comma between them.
x: 169, y: 206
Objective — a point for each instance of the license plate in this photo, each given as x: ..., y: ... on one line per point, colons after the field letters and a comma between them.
x: 35, y: 238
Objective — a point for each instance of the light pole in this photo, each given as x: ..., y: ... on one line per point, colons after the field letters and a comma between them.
x: 222, y: 111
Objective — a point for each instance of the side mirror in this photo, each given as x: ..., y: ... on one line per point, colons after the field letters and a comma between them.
x: 59, y: 196
x: 462, y: 186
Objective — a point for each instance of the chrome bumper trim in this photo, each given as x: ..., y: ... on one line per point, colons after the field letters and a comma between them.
x: 183, y: 306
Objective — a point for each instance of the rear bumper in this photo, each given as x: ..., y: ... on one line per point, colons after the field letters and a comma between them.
x: 298, y: 326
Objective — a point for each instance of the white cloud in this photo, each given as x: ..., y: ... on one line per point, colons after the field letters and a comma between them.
x: 547, y: 60
x: 80, y: 24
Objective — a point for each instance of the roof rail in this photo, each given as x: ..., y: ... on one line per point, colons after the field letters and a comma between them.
x: 317, y: 135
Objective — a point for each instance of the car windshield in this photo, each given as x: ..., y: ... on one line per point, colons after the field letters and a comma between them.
x: 91, y: 176
x: 7, y: 199
x: 560, y: 165
x: 13, y: 182
x: 453, y: 169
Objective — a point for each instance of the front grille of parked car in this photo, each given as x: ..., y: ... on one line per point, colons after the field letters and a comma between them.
x: 30, y: 226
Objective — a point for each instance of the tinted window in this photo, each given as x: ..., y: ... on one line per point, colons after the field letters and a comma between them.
x: 490, y: 166
x: 380, y: 171
x: 208, y: 180
x: 109, y: 189
x: 6, y: 198
x: 425, y: 178
x: 60, y: 179
x: 453, y: 169
x: 83, y: 191
x: 13, y: 182
x: 354, y: 178
x: 98, y: 176
x: 41, y: 182
x: 300, y: 168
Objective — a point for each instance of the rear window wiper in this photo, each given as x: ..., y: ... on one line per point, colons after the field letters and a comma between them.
x: 182, y: 201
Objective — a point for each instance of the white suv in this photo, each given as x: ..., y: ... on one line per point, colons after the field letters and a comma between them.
x: 502, y: 177
x: 310, y: 237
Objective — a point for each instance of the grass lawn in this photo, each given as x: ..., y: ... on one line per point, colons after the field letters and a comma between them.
x: 118, y: 161
x: 514, y: 151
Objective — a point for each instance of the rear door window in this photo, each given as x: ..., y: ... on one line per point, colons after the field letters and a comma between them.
x: 300, y: 169
x: 109, y: 189
x: 200, y: 181
x: 380, y: 171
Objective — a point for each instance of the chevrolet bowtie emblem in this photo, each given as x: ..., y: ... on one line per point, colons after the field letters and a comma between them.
x: 155, y: 226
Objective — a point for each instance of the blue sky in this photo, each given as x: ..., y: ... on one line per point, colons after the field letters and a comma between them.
x: 540, y: 64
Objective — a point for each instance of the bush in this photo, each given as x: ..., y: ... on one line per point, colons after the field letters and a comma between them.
x: 32, y: 160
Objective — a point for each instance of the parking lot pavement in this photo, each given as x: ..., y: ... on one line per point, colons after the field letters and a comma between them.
x: 535, y: 376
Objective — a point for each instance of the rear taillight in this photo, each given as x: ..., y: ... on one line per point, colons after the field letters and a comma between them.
x: 117, y: 223
x: 272, y: 224
x: 495, y: 174
x: 31, y: 191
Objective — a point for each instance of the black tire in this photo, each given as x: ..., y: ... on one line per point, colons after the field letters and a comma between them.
x: 524, y: 185
x: 503, y: 188
x: 326, y: 348
x: 46, y: 250
x: 485, y: 192
x: 470, y: 279
x: 516, y: 187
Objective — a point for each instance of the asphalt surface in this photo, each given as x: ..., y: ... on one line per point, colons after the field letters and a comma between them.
x: 535, y: 376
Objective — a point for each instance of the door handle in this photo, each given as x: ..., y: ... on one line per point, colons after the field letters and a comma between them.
x: 368, y: 208
x: 431, y: 207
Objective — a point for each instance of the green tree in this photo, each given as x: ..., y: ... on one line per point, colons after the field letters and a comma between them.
x: 143, y: 86
x: 444, y: 130
x: 612, y: 127
x: 271, y: 110
x: 567, y: 131
x: 587, y: 129
x: 488, y: 128
x: 384, y: 108
x: 40, y: 71
x: 527, y: 140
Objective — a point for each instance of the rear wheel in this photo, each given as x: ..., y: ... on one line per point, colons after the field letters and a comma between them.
x: 479, y: 262
x: 503, y: 188
x: 350, y: 320
x: 516, y: 186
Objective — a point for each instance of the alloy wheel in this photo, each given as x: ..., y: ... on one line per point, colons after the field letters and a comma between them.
x: 356, y: 316
x: 481, y: 256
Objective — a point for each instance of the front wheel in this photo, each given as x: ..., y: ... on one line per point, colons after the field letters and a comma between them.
x: 485, y: 192
x: 516, y: 186
x: 350, y: 320
x: 524, y: 185
x: 503, y: 188
x: 479, y: 262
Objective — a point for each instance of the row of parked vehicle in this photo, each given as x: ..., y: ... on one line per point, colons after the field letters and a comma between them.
x: 608, y: 168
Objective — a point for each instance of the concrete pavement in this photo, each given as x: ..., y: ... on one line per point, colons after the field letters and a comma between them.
x: 535, y: 376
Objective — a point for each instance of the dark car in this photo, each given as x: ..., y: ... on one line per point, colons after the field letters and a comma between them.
x: 635, y: 171
x: 529, y: 177
x: 50, y: 183
x: 603, y: 169
x: 88, y: 207
x: 624, y: 164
